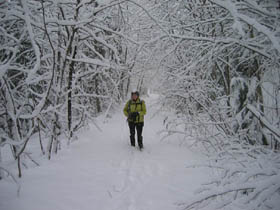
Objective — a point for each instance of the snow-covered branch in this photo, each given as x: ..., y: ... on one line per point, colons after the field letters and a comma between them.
x: 260, y: 117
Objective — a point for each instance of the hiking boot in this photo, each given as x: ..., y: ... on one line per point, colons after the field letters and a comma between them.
x: 132, y: 141
x: 140, y: 142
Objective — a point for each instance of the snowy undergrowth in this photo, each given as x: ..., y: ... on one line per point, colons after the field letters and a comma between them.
x: 247, y: 177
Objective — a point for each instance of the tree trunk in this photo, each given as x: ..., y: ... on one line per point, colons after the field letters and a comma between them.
x: 40, y: 138
x: 1, y: 172
x: 97, y: 100
x: 69, y: 88
x: 19, y: 167
x: 50, y: 147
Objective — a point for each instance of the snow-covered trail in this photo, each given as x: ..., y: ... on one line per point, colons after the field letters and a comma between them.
x: 102, y: 171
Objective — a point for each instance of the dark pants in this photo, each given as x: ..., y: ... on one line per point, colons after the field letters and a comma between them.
x: 139, y: 128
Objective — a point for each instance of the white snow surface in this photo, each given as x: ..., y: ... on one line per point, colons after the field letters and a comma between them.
x: 102, y: 171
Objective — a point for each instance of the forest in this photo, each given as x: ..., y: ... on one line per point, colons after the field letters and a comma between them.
x: 214, y: 63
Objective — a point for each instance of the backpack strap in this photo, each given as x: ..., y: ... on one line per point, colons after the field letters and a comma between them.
x: 128, y: 107
x: 129, y: 104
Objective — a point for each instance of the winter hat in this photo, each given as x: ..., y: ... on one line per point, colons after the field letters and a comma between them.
x: 135, y: 92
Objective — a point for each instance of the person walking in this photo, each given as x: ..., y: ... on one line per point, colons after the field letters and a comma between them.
x: 134, y: 110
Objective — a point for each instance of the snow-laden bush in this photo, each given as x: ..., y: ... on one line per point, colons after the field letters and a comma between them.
x: 247, y: 177
x: 62, y: 63
x: 222, y: 78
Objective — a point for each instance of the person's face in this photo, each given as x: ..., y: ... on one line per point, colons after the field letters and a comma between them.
x: 134, y: 96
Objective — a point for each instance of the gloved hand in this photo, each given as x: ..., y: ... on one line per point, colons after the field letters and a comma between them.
x: 133, y: 115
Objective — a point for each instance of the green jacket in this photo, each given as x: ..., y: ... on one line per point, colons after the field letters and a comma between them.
x: 135, y: 106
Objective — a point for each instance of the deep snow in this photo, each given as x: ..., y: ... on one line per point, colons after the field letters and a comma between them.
x: 102, y: 171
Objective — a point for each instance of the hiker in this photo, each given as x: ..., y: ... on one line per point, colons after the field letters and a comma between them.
x: 134, y: 110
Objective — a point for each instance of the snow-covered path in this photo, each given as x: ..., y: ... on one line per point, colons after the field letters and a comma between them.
x: 102, y: 171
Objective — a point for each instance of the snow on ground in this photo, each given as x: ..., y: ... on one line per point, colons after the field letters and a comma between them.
x: 102, y: 171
